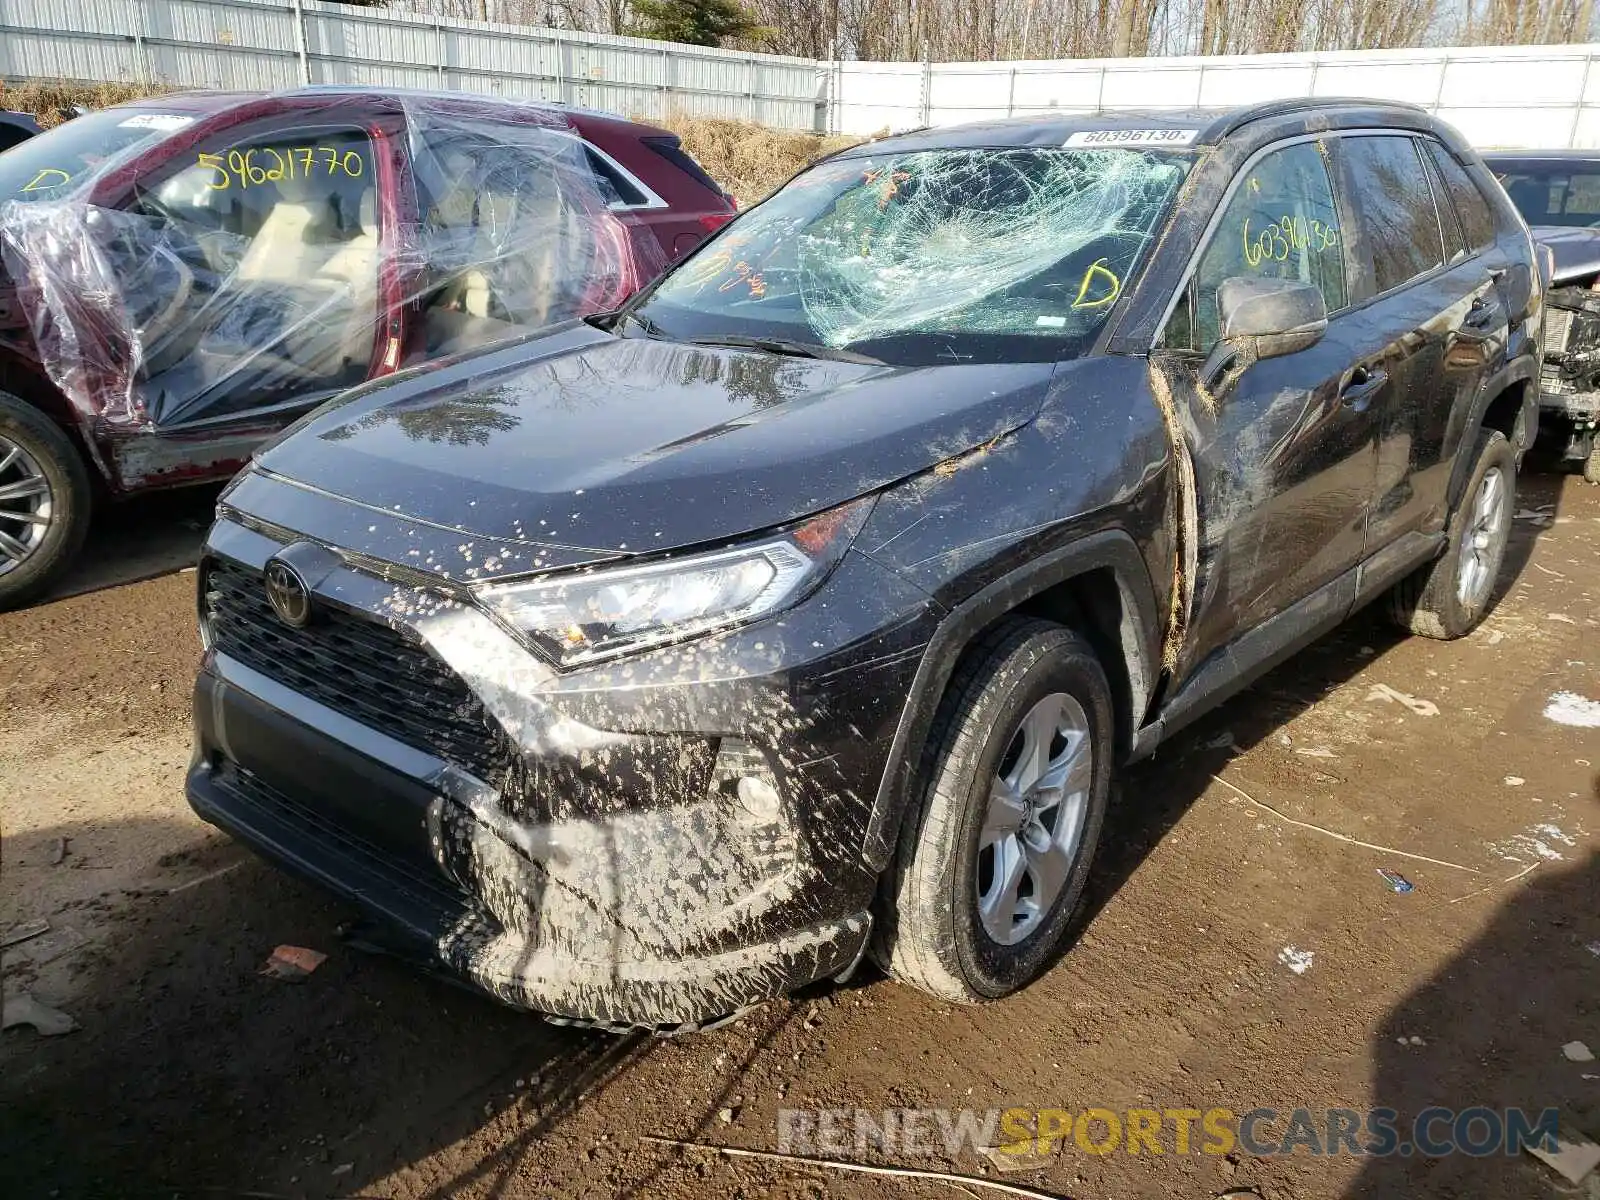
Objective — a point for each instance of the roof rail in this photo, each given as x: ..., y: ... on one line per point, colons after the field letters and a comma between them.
x: 1273, y: 108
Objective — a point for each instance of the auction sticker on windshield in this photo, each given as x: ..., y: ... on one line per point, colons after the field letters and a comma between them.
x: 1132, y: 137
x: 163, y: 122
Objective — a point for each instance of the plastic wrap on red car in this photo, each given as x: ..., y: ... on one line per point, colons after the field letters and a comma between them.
x: 220, y: 275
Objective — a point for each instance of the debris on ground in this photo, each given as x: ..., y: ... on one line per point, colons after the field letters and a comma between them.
x: 1569, y: 708
x: 344, y: 1168
x: 1020, y: 1156
x: 1593, y: 948
x: 1396, y: 881
x: 1423, y: 708
x: 1317, y: 752
x: 23, y: 1009
x: 58, y: 851
x: 47, y: 945
x: 725, y: 1115
x: 23, y: 932
x: 1578, y: 1052
x: 1573, y: 1155
x: 1515, y: 781
x: 292, y: 963
x: 1297, y: 960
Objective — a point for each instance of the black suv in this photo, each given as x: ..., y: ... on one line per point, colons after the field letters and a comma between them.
x: 658, y: 664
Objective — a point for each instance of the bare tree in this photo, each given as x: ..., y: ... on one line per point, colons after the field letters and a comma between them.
x: 987, y: 30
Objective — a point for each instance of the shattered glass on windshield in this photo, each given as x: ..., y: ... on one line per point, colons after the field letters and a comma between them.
x: 276, y: 262
x: 943, y: 255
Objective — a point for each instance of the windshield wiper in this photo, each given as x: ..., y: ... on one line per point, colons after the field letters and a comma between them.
x: 788, y: 347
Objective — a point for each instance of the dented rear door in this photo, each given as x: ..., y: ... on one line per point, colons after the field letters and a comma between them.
x: 1424, y: 321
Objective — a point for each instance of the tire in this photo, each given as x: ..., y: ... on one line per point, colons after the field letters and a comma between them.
x: 44, y: 502
x: 1591, y: 465
x: 1450, y: 596
x: 933, y: 932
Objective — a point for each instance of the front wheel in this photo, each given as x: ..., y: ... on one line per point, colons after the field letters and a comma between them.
x: 1449, y: 597
x: 991, y: 868
x: 44, y: 502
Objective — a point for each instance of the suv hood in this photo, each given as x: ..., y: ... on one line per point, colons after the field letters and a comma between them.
x: 1576, y: 251
x: 592, y: 444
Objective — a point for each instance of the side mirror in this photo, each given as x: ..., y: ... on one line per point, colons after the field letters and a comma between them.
x: 1263, y: 318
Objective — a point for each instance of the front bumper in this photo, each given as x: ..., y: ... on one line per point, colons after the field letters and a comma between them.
x: 434, y: 918
x: 602, y: 876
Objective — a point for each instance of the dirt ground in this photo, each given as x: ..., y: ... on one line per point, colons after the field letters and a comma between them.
x: 191, y: 1075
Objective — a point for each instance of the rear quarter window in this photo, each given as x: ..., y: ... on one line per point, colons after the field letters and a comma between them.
x: 1477, y: 222
x: 617, y: 188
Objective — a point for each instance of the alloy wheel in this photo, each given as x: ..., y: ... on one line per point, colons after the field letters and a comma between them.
x: 1033, y: 825
x: 26, y: 505
x: 1483, y: 541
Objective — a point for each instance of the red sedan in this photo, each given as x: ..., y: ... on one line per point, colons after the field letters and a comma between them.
x: 186, y: 276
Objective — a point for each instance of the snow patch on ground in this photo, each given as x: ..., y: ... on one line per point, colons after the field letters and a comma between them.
x: 1297, y: 960
x: 1569, y: 708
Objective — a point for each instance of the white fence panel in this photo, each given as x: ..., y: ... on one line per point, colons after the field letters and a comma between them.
x: 1497, y: 96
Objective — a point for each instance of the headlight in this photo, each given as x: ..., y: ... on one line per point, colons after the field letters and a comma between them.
x: 600, y: 613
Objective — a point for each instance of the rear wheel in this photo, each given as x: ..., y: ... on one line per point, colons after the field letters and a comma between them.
x: 1449, y: 597
x: 1591, y: 465
x: 44, y: 501
x: 992, y: 866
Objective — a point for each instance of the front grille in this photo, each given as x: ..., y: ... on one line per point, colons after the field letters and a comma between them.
x: 357, y: 666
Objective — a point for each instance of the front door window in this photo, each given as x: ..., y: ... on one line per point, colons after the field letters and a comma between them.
x: 254, y: 276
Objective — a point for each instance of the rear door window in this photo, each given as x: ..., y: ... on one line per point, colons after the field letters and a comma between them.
x: 1455, y: 241
x: 516, y: 230
x: 1399, y: 224
x: 1281, y: 223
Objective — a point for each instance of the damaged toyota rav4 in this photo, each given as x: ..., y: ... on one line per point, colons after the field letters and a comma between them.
x: 808, y: 606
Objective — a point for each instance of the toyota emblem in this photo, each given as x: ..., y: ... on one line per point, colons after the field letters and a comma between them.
x: 288, y: 594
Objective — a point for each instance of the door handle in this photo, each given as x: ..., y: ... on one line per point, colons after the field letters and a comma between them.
x: 1361, y: 387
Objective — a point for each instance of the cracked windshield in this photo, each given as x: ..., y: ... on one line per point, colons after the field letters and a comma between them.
x: 938, y: 257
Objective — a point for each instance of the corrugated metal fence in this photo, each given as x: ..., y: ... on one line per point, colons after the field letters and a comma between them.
x: 1498, y: 96
x: 267, y: 44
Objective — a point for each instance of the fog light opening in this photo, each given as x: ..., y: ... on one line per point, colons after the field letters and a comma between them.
x: 742, y: 775
x: 759, y: 798
x: 744, y: 782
